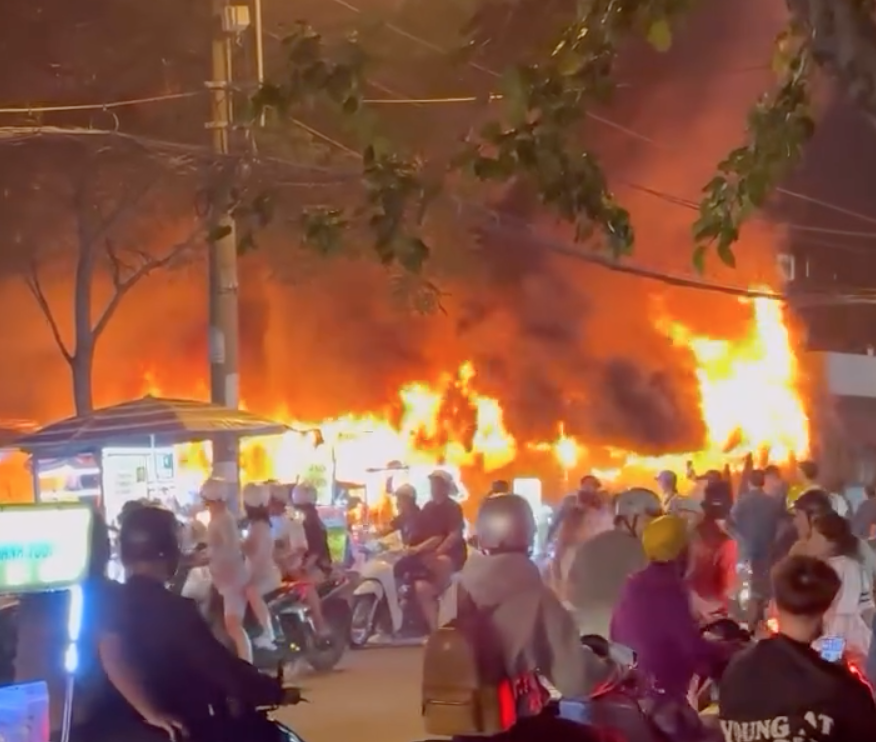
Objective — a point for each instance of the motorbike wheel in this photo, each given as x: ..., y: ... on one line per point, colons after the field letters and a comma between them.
x: 362, y: 621
x: 337, y: 615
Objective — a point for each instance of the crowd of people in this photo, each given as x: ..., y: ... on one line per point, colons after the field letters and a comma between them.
x: 662, y: 567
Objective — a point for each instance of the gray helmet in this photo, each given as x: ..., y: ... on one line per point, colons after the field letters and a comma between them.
x: 505, y: 524
x: 636, y: 503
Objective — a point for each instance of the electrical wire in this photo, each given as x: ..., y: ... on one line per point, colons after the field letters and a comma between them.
x: 109, y: 105
x: 602, y: 119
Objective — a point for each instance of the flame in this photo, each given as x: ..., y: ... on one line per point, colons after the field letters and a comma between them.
x: 749, y: 403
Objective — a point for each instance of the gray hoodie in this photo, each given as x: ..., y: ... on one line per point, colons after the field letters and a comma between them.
x: 533, y: 626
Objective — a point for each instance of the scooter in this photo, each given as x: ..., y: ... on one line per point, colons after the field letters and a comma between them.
x: 382, y: 605
x: 296, y: 636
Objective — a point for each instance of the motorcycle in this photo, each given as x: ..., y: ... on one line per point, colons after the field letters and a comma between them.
x: 295, y: 635
x: 386, y: 606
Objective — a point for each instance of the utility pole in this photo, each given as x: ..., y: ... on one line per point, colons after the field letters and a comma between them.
x: 224, y: 323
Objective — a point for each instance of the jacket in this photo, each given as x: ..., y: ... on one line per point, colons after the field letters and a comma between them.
x: 653, y: 618
x: 533, y: 627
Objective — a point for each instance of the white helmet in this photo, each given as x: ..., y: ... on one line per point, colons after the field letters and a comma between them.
x: 405, y: 490
x: 637, y: 503
x: 304, y: 494
x: 216, y: 490
x: 256, y: 495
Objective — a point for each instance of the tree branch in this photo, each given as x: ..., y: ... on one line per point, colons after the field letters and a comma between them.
x: 122, y: 284
x: 32, y: 280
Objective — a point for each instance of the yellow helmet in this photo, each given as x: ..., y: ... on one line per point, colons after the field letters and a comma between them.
x: 665, y: 538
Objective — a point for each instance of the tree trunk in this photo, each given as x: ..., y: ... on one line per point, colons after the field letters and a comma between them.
x: 83, y: 353
x: 80, y: 367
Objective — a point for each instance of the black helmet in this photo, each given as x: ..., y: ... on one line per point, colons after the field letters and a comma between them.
x: 500, y: 487
x: 149, y: 534
x: 505, y: 524
x: 717, y: 500
x: 814, y: 502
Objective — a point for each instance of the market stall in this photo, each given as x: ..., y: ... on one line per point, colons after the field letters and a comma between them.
x: 130, y: 451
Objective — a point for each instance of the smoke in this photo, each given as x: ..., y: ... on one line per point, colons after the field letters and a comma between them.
x: 554, y: 338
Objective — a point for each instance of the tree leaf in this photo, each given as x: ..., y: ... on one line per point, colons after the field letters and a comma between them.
x: 699, y: 258
x: 660, y: 35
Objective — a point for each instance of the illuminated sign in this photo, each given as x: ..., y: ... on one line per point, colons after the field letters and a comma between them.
x: 43, y: 547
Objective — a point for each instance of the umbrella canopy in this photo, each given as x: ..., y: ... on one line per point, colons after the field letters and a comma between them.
x: 148, y: 421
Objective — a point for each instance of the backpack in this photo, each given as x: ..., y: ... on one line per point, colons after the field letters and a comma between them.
x: 466, y: 690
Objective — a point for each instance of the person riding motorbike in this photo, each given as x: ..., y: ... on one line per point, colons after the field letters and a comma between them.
x: 588, y: 497
x: 781, y: 684
x: 712, y: 575
x: 262, y: 571
x: 533, y: 627
x: 602, y: 564
x: 653, y: 616
x: 443, y: 549
x: 290, y: 540
x: 317, y: 565
x: 188, y: 674
x: 225, y: 560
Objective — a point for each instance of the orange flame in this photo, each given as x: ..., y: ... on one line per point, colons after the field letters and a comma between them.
x: 748, y: 398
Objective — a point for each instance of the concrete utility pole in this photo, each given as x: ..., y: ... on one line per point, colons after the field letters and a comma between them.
x: 224, y: 335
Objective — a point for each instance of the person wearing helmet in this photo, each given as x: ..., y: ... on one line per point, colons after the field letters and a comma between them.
x: 226, y: 563
x: 713, y: 555
x: 190, y: 675
x: 287, y: 531
x: 262, y: 571
x: 601, y: 565
x: 811, y: 504
x: 533, y: 627
x: 499, y: 487
x: 442, y: 550
x: 408, y: 518
x: 317, y: 563
x: 653, y: 616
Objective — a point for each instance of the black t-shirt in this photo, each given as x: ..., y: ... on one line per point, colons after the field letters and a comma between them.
x: 175, y: 653
x: 780, y: 689
x: 317, y: 537
x: 443, y: 518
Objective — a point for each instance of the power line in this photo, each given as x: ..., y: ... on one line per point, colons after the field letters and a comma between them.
x: 107, y: 106
x: 601, y: 119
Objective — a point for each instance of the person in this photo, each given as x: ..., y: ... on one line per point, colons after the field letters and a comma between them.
x: 443, y: 548
x: 667, y: 486
x: 653, y: 615
x: 601, y: 566
x: 189, y: 674
x: 712, y: 575
x: 586, y: 496
x: 571, y: 532
x: 408, y: 518
x: 290, y: 540
x: 780, y: 686
x: 808, y: 506
x: 262, y: 571
x: 226, y: 563
x: 852, y: 610
x: 499, y: 487
x: 810, y: 476
x: 757, y: 517
x: 317, y: 564
x: 864, y: 519
x: 533, y: 627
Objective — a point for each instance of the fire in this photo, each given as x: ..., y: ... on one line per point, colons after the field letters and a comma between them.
x: 748, y: 397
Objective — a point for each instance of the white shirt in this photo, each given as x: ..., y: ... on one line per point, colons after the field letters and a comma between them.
x: 225, y: 552
x: 263, y: 570
x: 289, y: 532
x: 845, y: 617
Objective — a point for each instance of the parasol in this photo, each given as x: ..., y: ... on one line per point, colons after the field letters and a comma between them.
x: 149, y: 421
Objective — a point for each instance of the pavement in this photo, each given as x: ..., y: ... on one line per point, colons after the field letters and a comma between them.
x: 374, y: 696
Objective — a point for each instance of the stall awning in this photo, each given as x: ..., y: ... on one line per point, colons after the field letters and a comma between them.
x: 146, y: 421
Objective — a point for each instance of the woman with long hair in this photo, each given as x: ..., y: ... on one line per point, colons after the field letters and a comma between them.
x: 833, y: 541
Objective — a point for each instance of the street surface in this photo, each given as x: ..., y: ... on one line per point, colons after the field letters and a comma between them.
x: 373, y: 697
